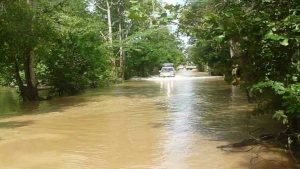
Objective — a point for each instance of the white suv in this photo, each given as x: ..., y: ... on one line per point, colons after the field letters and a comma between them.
x: 167, y: 72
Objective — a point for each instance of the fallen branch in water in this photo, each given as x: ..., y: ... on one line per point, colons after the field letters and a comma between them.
x: 244, y: 143
x: 249, y: 142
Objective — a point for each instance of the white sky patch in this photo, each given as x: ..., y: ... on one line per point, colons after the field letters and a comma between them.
x: 174, y: 1
x: 174, y: 27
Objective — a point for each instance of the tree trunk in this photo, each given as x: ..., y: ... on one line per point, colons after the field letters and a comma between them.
x: 234, y: 47
x: 122, y: 61
x: 31, y: 88
x: 109, y: 22
x: 152, y: 15
x: 121, y: 50
x: 110, y: 37
x: 19, y: 79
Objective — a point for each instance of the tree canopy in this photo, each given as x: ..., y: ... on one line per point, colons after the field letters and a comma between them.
x: 262, y: 37
x: 73, y: 44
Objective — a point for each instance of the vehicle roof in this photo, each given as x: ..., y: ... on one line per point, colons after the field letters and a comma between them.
x: 168, y: 65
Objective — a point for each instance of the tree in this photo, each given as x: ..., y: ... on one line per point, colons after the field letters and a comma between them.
x: 127, y: 18
x: 260, y: 36
x: 55, y: 42
x: 148, y: 50
x: 21, y: 29
x: 66, y: 46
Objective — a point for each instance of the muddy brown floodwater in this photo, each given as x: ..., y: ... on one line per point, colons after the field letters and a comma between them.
x: 170, y: 123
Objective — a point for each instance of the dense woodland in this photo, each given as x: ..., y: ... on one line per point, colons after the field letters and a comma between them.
x: 262, y: 37
x: 69, y: 45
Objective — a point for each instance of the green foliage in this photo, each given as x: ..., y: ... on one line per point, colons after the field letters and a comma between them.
x: 281, y: 116
x: 148, y: 50
x: 290, y: 95
x: 277, y: 87
x: 74, y: 57
x: 204, y: 53
x: 70, y: 44
x: 292, y: 100
x: 261, y: 36
x: 65, y: 40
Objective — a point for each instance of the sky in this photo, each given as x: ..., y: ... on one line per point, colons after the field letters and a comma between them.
x: 173, y: 27
x: 174, y: 1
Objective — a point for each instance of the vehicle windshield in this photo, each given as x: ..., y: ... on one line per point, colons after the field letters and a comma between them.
x: 167, y: 69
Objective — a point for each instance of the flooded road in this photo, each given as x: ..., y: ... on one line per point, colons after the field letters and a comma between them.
x: 170, y: 123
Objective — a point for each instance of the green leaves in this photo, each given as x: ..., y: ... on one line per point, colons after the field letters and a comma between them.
x: 281, y: 39
x: 267, y: 1
x: 65, y: 41
x: 285, y: 42
x: 281, y: 116
x: 290, y: 98
x: 263, y: 38
x: 272, y: 36
x: 148, y: 50
x: 277, y: 87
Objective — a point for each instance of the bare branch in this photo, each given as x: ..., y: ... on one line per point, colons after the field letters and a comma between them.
x: 115, y: 2
x: 98, y: 6
x: 103, y: 36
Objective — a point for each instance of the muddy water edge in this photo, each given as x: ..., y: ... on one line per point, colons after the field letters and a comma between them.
x: 170, y: 123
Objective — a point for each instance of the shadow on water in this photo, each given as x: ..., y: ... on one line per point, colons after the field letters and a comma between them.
x: 128, y: 89
x: 157, y: 125
x: 15, y: 124
x: 10, y: 103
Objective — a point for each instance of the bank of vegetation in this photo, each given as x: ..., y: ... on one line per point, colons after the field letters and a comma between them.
x: 69, y: 45
x: 262, y: 37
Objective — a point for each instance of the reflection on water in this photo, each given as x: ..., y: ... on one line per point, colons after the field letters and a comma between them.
x: 167, y: 86
x: 173, y: 123
x: 8, y: 101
